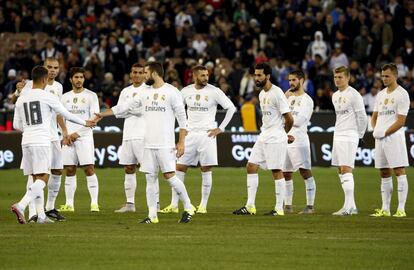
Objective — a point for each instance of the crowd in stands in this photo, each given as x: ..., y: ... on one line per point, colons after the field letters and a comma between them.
x: 108, y: 36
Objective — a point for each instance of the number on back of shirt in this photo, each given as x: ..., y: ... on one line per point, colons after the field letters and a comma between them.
x: 32, y: 113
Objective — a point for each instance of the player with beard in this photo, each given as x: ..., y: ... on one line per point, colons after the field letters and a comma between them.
x: 298, y: 150
x: 161, y: 105
x: 269, y: 151
x: 201, y: 99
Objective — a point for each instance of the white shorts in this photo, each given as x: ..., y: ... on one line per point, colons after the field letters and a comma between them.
x: 56, y: 158
x: 391, y: 152
x: 269, y: 156
x: 344, y: 153
x: 156, y: 159
x: 81, y: 152
x: 199, y: 147
x: 131, y: 152
x: 36, y: 159
x: 297, y: 157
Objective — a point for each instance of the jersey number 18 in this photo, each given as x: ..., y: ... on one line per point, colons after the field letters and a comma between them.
x: 32, y: 113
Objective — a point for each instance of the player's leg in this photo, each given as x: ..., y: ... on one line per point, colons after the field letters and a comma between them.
x: 310, y: 187
x: 386, y: 190
x: 289, y: 189
x: 402, y: 191
x: 180, y: 172
x: 85, y: 151
x: 70, y: 161
x: 150, y: 167
x: 128, y: 158
x: 93, y: 186
x: 32, y: 207
x: 206, y: 184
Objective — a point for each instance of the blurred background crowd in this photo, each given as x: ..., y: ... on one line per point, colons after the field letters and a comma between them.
x: 108, y: 36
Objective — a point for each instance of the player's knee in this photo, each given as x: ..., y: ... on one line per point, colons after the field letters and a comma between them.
x: 385, y: 173
x: 181, y: 168
x: 399, y: 171
x: 305, y: 173
x: 89, y: 170
x: 56, y: 171
x: 251, y: 168
x: 205, y: 168
x: 287, y: 175
x: 70, y: 170
x: 130, y: 169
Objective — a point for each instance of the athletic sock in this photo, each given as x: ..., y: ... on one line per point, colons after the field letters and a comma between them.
x: 53, y: 186
x: 93, y: 187
x: 174, y: 196
x: 386, y: 193
x: 130, y: 185
x: 289, y: 191
x: 70, y: 188
x: 207, y: 181
x: 180, y: 189
x: 310, y: 186
x: 402, y: 191
x: 252, y: 184
x: 348, y: 186
x: 151, y: 191
x: 32, y: 206
x: 280, y: 193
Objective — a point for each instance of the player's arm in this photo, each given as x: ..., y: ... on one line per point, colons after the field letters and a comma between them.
x: 17, y: 120
x: 304, y: 115
x: 399, y: 123
x: 283, y: 106
x: 121, y: 109
x: 55, y: 104
x: 179, y: 112
x: 16, y: 94
x: 226, y: 103
x: 288, y: 121
x: 360, y: 115
x: 374, y: 117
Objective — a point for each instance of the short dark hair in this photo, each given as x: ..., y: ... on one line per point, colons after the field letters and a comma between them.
x: 39, y: 73
x: 198, y: 68
x: 51, y: 59
x: 155, y: 67
x: 75, y: 70
x: 267, y: 70
x: 392, y: 67
x: 137, y: 65
x: 298, y: 73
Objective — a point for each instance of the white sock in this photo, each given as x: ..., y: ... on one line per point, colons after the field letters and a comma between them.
x: 70, y: 188
x: 174, y: 196
x: 280, y: 193
x: 40, y: 202
x: 157, y: 193
x: 348, y: 187
x: 93, y: 187
x: 402, y: 191
x: 130, y: 185
x: 342, y: 182
x: 180, y: 189
x: 53, y: 186
x: 32, y: 194
x: 206, y: 183
x: 310, y: 190
x: 151, y: 191
x: 32, y: 207
x: 252, y: 184
x: 289, y: 192
x: 386, y: 193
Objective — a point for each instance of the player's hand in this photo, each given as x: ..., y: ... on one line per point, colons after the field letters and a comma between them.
x: 91, y: 123
x: 378, y: 133
x: 20, y: 85
x: 66, y: 140
x: 291, y: 139
x: 214, y: 132
x: 73, y: 137
x: 98, y: 117
x: 361, y: 142
x: 180, y: 149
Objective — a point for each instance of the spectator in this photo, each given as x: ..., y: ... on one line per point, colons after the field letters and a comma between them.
x: 338, y: 58
x: 370, y: 98
x: 318, y: 47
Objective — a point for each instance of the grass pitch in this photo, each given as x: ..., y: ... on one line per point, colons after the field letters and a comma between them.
x: 217, y: 240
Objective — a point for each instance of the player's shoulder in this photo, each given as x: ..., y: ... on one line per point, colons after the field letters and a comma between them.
x: 90, y: 93
x: 402, y: 92
x: 187, y: 89
x: 308, y: 98
x: 67, y: 94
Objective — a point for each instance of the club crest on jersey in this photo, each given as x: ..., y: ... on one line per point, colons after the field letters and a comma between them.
x: 134, y: 94
x: 386, y: 101
x: 163, y: 97
x: 197, y: 97
x: 75, y: 100
x: 392, y: 101
x: 52, y: 92
x: 292, y: 103
x: 83, y: 100
x: 206, y: 98
x: 155, y: 96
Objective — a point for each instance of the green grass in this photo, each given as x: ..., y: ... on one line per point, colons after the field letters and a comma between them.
x: 218, y: 240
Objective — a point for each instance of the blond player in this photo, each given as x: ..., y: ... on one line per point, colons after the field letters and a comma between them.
x: 298, y: 151
x: 79, y: 149
x: 201, y: 100
x: 132, y: 148
x: 33, y: 115
x: 388, y: 119
x: 160, y: 107
x: 269, y: 151
x: 350, y: 126
x: 54, y: 182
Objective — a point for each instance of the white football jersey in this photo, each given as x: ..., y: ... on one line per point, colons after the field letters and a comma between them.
x: 33, y: 114
x: 389, y: 105
x: 346, y: 103
x: 301, y: 108
x: 202, y: 106
x: 134, y: 124
x: 56, y: 89
x: 273, y: 104
x: 160, y: 107
x: 84, y: 104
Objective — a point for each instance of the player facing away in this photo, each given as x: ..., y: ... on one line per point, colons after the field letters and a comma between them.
x: 298, y: 151
x: 351, y: 123
x: 33, y: 115
x: 53, y: 87
x: 388, y: 119
x: 269, y: 151
x: 201, y: 99
x: 132, y: 148
x: 78, y: 148
x: 161, y: 105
